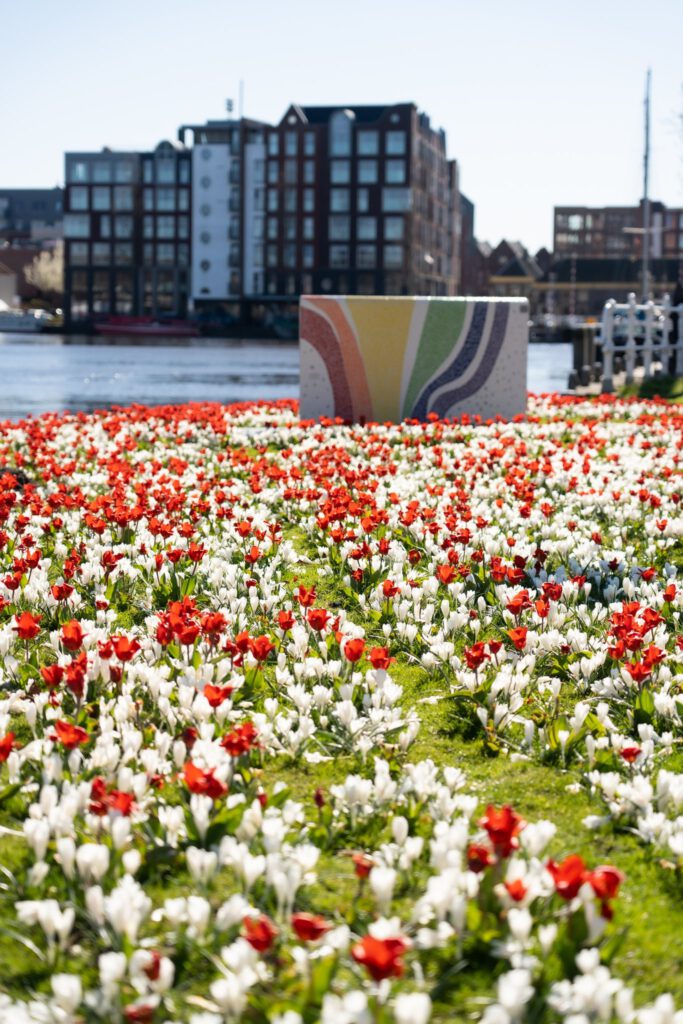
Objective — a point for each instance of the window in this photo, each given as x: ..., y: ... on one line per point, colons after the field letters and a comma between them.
x: 367, y: 143
x: 183, y: 254
x: 395, y: 172
x: 165, y: 253
x: 105, y: 226
x: 183, y: 199
x: 123, y: 197
x: 291, y: 143
x: 234, y: 256
x: 184, y: 172
x: 395, y: 143
x: 148, y: 199
x: 148, y: 227
x: 273, y: 201
x: 309, y: 172
x: 258, y: 227
x: 362, y: 200
x: 395, y: 200
x: 123, y: 226
x: 309, y: 143
x: 101, y: 253
x: 291, y: 172
x: 339, y: 228
x: 366, y: 256
x: 309, y: 200
x: 340, y: 133
x: 165, y: 227
x: 289, y: 256
x: 165, y: 199
x: 340, y: 200
x: 309, y: 228
x: 393, y: 256
x: 76, y: 225
x: 259, y: 171
x: 394, y: 228
x: 307, y: 256
x: 575, y: 222
x: 340, y: 172
x: 78, y: 253
x: 339, y: 255
x: 258, y: 254
x: 273, y: 144
x: 234, y: 229
x: 166, y: 171
x: 78, y: 197
x: 148, y: 253
x: 272, y: 228
x: 234, y: 172
x: 78, y: 171
x: 290, y: 200
x: 101, y: 198
x: 273, y: 172
x: 271, y: 256
x: 367, y: 172
x: 100, y: 292
x: 290, y: 228
x: 101, y: 172
x: 123, y: 172
x: 366, y: 229
x: 123, y: 253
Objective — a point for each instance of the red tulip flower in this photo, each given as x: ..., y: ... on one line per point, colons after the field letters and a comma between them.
x: 503, y: 826
x: 204, y: 782
x: 69, y: 735
x: 381, y: 957
x: 260, y: 932
x: 309, y: 927
x: 27, y: 625
x: 71, y: 635
x: 568, y: 876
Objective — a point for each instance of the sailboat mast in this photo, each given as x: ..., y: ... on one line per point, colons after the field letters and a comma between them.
x: 646, y: 198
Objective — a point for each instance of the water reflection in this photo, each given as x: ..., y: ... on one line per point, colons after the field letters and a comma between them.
x: 55, y: 373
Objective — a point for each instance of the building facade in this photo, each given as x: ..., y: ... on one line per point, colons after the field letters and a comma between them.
x: 31, y: 214
x: 127, y: 233
x: 617, y: 231
x: 241, y: 217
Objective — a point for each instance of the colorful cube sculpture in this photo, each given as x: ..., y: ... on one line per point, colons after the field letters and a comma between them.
x: 391, y: 358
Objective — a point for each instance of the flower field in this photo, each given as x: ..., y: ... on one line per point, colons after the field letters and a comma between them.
x: 308, y: 722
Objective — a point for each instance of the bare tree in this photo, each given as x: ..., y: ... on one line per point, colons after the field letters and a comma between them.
x: 46, y: 272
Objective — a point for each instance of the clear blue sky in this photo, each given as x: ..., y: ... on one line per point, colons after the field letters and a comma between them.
x: 541, y: 100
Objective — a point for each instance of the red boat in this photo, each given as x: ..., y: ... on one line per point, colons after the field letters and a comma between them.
x: 147, y: 327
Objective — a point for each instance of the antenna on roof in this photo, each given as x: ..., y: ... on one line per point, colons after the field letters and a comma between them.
x: 228, y: 106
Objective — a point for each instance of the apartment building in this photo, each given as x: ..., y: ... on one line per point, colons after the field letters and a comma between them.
x: 127, y: 233
x: 617, y: 231
x: 240, y: 216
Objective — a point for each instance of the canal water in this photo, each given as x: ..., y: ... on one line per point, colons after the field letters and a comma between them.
x: 47, y: 373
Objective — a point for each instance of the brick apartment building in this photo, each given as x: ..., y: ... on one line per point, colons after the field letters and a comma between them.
x: 617, y: 231
x: 241, y: 215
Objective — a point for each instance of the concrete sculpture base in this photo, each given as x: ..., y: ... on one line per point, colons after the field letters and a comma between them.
x: 377, y: 359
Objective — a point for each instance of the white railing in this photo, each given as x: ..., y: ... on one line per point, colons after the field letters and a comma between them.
x: 640, y: 329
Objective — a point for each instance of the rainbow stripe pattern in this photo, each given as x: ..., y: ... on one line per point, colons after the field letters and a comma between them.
x: 391, y: 358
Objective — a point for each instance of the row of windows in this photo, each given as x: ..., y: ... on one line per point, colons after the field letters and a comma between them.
x: 366, y: 256
x: 77, y: 225
x: 122, y: 171
x: 121, y: 198
x: 339, y: 228
x: 165, y: 226
x: 121, y: 254
x: 367, y: 140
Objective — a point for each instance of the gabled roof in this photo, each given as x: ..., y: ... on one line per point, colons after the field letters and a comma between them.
x: 362, y: 114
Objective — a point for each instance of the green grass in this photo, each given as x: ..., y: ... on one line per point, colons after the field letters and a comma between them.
x: 670, y: 388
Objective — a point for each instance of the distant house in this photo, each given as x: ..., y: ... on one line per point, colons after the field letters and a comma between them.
x: 31, y: 214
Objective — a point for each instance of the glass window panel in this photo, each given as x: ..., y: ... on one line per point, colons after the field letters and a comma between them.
x: 309, y: 228
x: 78, y: 171
x: 367, y: 143
x: 183, y: 227
x: 395, y: 200
x: 78, y: 197
x: 76, y: 225
x: 105, y: 226
x: 366, y: 229
x: 291, y: 143
x: 289, y: 255
x: 183, y: 199
x: 340, y: 172
x: 394, y: 228
x: 273, y: 144
x: 165, y: 227
x: 165, y: 253
x: 101, y: 198
x: 271, y: 256
x: 273, y: 201
x: 367, y: 172
x: 165, y: 199
x: 100, y: 293
x: 290, y: 200
x: 165, y: 172
x: 339, y: 255
x: 78, y: 253
x: 183, y: 254
x: 366, y: 256
x: 395, y: 144
x: 101, y: 253
x: 340, y: 200
x: 309, y: 200
x: 339, y: 228
x: 290, y: 228
x: 102, y: 172
x: 272, y: 228
x: 309, y: 143
x: 123, y: 252
x: 123, y: 197
x: 148, y: 227
x: 393, y: 255
x: 308, y: 256
x: 184, y: 172
x: 309, y: 172
x: 395, y: 172
x: 291, y: 172
x: 340, y: 133
x: 273, y: 172
x: 123, y: 226
x: 123, y: 172
x: 363, y: 200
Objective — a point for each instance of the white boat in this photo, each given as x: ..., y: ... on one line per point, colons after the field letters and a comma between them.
x: 13, y: 320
